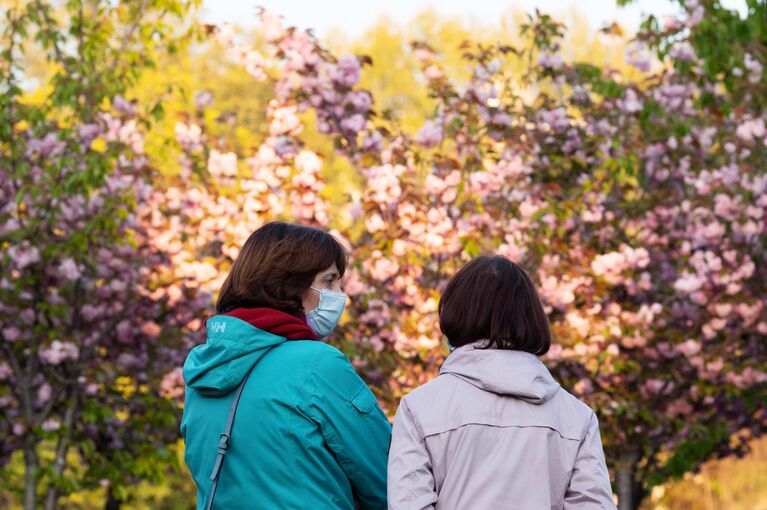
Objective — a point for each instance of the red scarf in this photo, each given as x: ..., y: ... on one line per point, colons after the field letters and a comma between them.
x: 275, y: 322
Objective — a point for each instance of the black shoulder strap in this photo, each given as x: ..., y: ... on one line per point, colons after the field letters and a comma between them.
x: 225, y: 440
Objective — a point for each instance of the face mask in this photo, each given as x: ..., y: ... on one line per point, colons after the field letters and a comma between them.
x: 324, y: 318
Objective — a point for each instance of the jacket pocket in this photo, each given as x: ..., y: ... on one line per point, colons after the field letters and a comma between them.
x: 373, y: 418
x: 364, y: 400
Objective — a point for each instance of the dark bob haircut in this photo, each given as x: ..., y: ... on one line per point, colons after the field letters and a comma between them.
x: 276, y: 265
x: 492, y: 298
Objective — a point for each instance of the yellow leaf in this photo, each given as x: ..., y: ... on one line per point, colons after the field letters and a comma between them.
x: 99, y: 145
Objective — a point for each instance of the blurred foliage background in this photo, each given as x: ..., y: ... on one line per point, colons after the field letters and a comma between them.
x: 737, y: 484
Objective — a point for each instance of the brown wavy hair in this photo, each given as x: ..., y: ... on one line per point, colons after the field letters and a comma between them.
x: 278, y: 262
x: 492, y: 298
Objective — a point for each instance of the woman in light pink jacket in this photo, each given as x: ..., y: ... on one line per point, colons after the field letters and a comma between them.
x: 495, y: 431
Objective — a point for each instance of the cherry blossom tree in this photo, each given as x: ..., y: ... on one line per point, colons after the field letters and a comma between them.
x: 637, y: 205
x: 93, y: 324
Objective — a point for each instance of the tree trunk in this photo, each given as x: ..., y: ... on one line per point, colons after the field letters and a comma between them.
x: 30, y: 472
x: 112, y: 503
x: 62, y: 447
x: 628, y: 498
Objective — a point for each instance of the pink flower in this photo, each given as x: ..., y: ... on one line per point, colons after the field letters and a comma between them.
x: 689, y: 283
x: 354, y: 124
x: 548, y: 60
x: 150, y: 329
x: 383, y: 183
x: 583, y: 387
x: 172, y: 385
x: 130, y: 135
x: 51, y: 425
x: 306, y: 179
x: 630, y: 103
x: 716, y: 366
x: 751, y: 129
x: 203, y: 99
x: 382, y: 269
x: 308, y: 161
x: 284, y: 120
x: 347, y: 72
x: 353, y: 284
x: 330, y: 96
x: 374, y: 223
x: 68, y: 269
x: 89, y: 131
x: 124, y: 331
x: 378, y: 313
x: 11, y: 334
x: 683, y: 51
x: 271, y: 26
x: 430, y: 135
x: 655, y: 386
x: 638, y: 56
x: 222, y: 164
x: 697, y: 13
x: 188, y: 136
x: 122, y: 105
x: 5, y: 371
x: 377, y: 343
x: 553, y: 120
x: 266, y: 156
x: 689, y: 348
x: 754, y: 68
x: 580, y: 324
x: 514, y: 252
x: 423, y: 54
x: 360, y: 100
x: 44, y: 393
x: 225, y: 34
x: 433, y: 73
x: 23, y: 255
x: 58, y: 352
x: 679, y: 407
x: 46, y: 147
x: 255, y: 64
x: 373, y: 142
x: 671, y: 23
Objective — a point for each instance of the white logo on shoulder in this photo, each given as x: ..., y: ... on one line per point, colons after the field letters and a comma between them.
x: 217, y: 327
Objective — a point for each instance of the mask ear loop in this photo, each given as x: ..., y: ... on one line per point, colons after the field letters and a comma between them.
x: 318, y: 303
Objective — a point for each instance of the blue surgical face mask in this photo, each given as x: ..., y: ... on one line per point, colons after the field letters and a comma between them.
x: 324, y: 318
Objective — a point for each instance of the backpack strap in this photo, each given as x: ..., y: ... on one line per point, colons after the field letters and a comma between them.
x: 225, y: 440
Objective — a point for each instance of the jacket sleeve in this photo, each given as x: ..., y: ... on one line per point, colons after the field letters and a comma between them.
x: 589, y: 487
x: 411, y: 480
x: 352, y: 425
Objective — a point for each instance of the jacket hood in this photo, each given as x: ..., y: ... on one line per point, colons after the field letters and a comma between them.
x: 231, y: 349
x: 513, y: 373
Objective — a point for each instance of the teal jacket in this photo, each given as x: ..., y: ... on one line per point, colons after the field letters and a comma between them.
x: 308, y: 433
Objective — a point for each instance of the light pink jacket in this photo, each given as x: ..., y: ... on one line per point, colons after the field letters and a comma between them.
x: 495, y: 431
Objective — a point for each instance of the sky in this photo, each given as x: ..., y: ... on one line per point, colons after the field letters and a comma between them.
x: 354, y: 17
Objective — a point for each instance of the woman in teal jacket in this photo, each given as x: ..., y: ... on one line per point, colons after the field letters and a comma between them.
x: 307, y: 432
